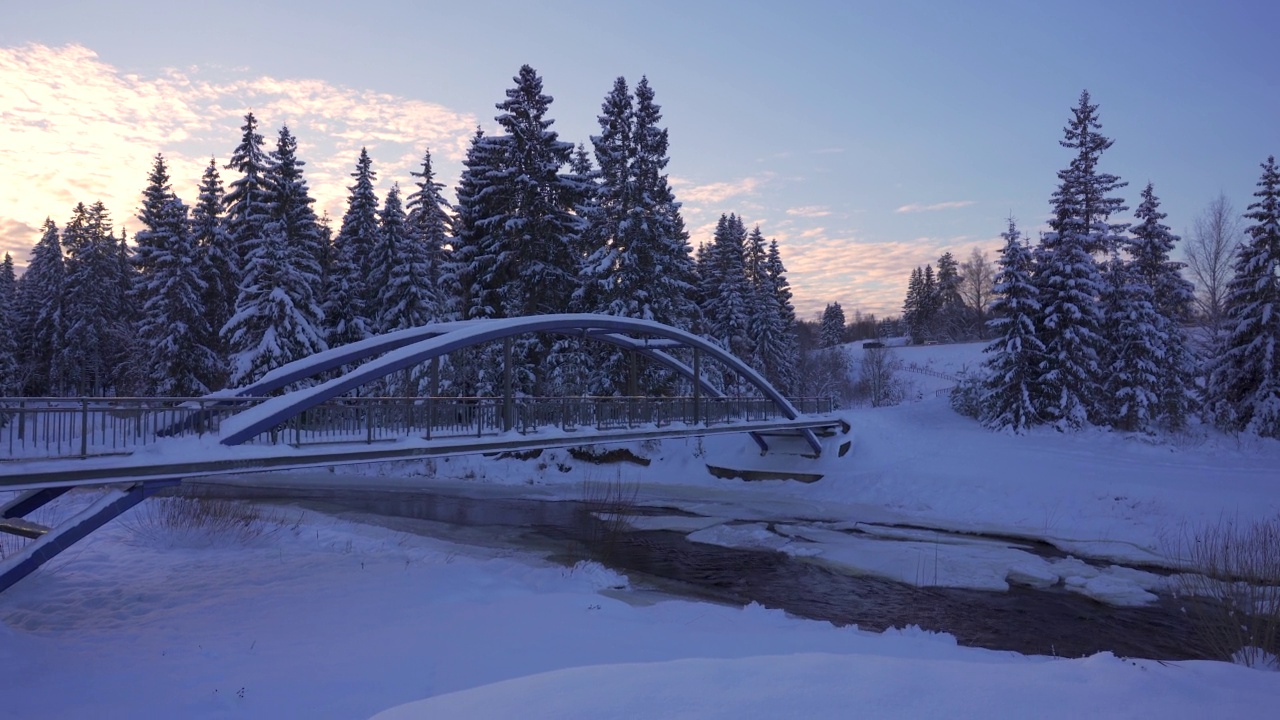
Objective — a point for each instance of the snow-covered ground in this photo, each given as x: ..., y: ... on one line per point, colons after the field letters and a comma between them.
x: 326, y: 617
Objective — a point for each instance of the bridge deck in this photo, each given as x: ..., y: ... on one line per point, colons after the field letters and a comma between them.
x: 202, y: 458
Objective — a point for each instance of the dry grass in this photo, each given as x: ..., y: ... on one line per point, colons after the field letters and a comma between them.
x: 196, y: 520
x: 610, y: 506
x: 1233, y: 595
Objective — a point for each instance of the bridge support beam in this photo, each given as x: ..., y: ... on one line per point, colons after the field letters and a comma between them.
x: 697, y: 384
x: 53, y: 541
x: 508, y: 415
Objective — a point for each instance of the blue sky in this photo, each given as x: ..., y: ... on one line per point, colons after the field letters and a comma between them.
x: 866, y: 137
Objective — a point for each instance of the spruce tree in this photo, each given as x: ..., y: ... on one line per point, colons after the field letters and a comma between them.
x: 534, y: 237
x: 173, y: 330
x: 278, y: 319
x: 951, y: 311
x: 477, y: 201
x: 248, y: 203
x: 1068, y: 279
x: 218, y: 264
x: 402, y: 272
x: 97, y: 336
x: 780, y: 353
x: 350, y: 300
x: 428, y: 227
x: 8, y: 329
x: 639, y: 263
x: 914, y: 307
x: 1244, y: 381
x: 1012, y: 366
x: 40, y: 322
x: 728, y: 291
x: 1171, y: 297
x: 832, y: 326
x: 1130, y: 358
x: 167, y: 289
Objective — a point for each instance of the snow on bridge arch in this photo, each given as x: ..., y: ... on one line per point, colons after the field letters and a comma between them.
x: 407, y: 348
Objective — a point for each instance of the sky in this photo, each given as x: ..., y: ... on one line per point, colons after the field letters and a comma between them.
x: 866, y: 137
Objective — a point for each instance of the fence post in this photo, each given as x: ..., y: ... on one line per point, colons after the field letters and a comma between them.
x: 84, y: 427
x: 368, y: 423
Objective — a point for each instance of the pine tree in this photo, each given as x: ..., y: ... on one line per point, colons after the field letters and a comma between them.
x: 1171, y: 297
x: 350, y: 298
x: 1009, y: 396
x: 1068, y: 279
x: 8, y: 329
x: 1244, y: 381
x: 278, y: 319
x: 248, y: 203
x: 218, y: 264
x: 40, y: 319
x: 832, y: 326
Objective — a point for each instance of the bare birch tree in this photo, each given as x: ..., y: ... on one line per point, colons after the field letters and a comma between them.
x: 1210, y: 252
x: 977, y: 276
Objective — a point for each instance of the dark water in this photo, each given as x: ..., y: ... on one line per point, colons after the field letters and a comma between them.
x: 1043, y: 622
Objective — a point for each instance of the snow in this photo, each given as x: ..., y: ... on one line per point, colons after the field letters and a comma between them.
x: 334, y: 618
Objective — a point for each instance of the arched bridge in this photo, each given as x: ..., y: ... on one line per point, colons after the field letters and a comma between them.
x: 149, y: 444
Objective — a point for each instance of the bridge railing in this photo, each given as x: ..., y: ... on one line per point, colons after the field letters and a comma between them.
x: 82, y: 427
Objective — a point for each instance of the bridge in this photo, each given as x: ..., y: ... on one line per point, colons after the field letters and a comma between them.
x: 139, y: 446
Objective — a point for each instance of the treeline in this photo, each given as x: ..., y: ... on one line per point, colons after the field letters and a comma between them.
x: 1089, y: 321
x: 247, y: 278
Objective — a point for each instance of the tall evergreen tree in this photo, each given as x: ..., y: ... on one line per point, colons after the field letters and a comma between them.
x: 278, y: 319
x: 8, y: 328
x: 428, y: 227
x: 219, y: 266
x: 97, y: 335
x: 1013, y: 358
x: 1171, y: 298
x: 726, y: 306
x: 533, y: 237
x: 832, y: 326
x: 477, y: 201
x: 780, y: 352
x: 1136, y: 338
x: 41, y: 297
x: 350, y: 301
x: 1068, y: 279
x: 248, y: 203
x: 639, y: 262
x: 172, y: 329
x: 915, y: 306
x: 402, y: 272
x: 1244, y: 380
x: 952, y: 314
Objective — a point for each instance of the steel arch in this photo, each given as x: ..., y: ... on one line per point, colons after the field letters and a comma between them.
x: 407, y: 348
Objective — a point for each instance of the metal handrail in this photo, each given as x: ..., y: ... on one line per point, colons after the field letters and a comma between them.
x: 50, y: 427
